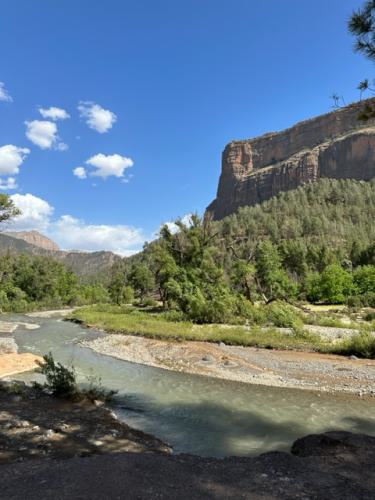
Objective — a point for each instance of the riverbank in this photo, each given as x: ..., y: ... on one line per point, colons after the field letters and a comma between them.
x: 274, y: 368
x: 36, y: 425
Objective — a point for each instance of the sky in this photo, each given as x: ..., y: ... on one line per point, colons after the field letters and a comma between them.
x: 113, y: 115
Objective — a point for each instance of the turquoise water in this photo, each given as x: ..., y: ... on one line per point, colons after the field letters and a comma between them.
x: 197, y: 414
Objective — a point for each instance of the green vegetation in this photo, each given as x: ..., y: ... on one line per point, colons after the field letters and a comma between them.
x: 315, y: 243
x: 174, y: 326
x: 29, y: 283
x: 7, y: 208
x: 163, y: 326
x: 61, y: 382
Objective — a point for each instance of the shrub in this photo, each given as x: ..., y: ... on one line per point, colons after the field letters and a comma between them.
x: 362, y: 345
x: 370, y: 316
x: 61, y: 381
x: 283, y: 315
x: 95, y: 390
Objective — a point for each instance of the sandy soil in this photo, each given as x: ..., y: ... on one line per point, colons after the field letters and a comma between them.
x: 11, y: 364
x: 245, y: 364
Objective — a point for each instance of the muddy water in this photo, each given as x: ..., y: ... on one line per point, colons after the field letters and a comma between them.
x: 195, y: 414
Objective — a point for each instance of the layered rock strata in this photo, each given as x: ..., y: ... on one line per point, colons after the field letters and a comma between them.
x: 336, y: 145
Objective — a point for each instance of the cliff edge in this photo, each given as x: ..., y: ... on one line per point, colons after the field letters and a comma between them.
x: 336, y: 145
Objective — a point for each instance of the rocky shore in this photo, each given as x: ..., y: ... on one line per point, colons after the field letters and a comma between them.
x: 299, y: 370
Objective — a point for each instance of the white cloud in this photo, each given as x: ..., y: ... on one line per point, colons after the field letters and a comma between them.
x: 80, y: 172
x: 35, y: 212
x: 4, y: 94
x: 72, y: 233
x: 7, y: 184
x: 172, y: 226
x: 42, y: 133
x: 54, y: 113
x: 61, y: 146
x: 108, y: 165
x: 96, y: 117
x: 11, y: 158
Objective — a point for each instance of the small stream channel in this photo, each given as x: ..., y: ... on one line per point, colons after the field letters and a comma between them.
x: 197, y: 414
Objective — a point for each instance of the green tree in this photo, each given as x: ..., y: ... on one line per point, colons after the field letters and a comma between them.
x: 362, y: 26
x: 273, y: 282
x: 7, y: 208
x: 364, y: 279
x: 334, y: 285
x: 142, y: 280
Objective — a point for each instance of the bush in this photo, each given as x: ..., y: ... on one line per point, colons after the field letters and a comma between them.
x: 370, y: 316
x: 365, y: 300
x: 283, y: 315
x: 95, y: 390
x: 254, y: 314
x: 61, y: 381
x: 361, y: 345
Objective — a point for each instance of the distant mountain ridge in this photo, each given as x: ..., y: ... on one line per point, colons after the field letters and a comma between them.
x: 35, y: 238
x: 87, y: 265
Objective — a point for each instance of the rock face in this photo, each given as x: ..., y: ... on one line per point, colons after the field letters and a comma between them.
x: 335, y: 145
x: 37, y: 239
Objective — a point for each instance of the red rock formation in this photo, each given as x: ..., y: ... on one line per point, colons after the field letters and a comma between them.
x: 335, y: 145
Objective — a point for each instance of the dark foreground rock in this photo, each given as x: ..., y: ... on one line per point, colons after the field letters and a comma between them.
x: 335, y: 465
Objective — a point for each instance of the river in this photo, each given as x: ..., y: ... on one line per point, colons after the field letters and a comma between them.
x: 196, y: 414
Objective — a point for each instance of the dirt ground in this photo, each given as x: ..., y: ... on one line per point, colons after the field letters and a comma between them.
x: 334, y: 465
x: 36, y: 425
x: 275, y: 368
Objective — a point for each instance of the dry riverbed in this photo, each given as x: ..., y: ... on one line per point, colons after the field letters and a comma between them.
x: 292, y: 369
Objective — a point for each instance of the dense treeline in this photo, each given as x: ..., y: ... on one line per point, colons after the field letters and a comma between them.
x: 315, y: 243
x: 30, y: 282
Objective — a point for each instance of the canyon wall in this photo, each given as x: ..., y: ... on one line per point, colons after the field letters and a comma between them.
x: 335, y: 145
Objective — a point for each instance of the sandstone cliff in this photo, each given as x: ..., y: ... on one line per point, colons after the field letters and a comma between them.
x: 335, y: 145
x: 35, y: 238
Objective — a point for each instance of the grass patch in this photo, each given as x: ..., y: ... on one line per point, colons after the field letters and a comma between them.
x: 361, y: 345
x: 154, y: 325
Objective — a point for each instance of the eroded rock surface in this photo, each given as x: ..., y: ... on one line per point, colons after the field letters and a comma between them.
x: 336, y: 145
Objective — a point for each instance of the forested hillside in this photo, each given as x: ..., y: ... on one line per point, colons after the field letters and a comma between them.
x: 317, y: 222
x: 315, y: 243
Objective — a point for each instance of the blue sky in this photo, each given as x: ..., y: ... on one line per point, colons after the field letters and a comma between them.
x: 173, y: 81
